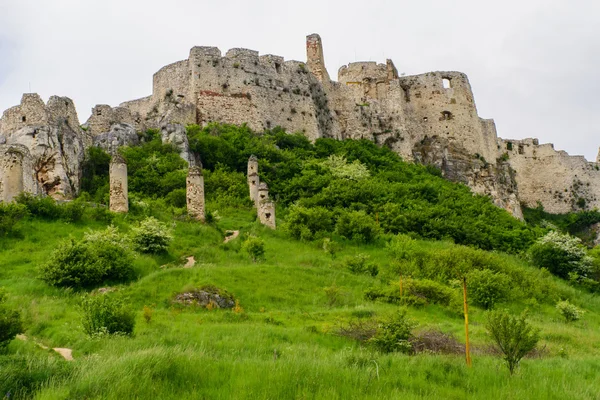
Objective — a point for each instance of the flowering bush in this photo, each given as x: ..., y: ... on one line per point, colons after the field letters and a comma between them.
x: 151, y: 236
x: 561, y: 254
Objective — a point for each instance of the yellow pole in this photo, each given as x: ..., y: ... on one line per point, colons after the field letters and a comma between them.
x: 401, y: 288
x: 467, y: 349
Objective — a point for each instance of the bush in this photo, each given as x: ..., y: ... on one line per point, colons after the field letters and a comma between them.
x: 360, y: 264
x: 10, y: 322
x: 308, y: 223
x: 151, y: 236
x: 417, y: 292
x: 561, y: 255
x: 105, y: 314
x: 569, y: 311
x: 358, y: 226
x: 393, y: 334
x: 10, y: 214
x: 514, y: 336
x: 487, y: 288
x: 100, y: 256
x: 254, y: 247
x: 40, y: 206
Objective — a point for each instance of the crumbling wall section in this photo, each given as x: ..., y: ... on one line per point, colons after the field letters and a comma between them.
x: 560, y: 182
x: 16, y: 172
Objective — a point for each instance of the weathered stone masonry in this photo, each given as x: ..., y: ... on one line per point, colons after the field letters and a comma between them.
x: 429, y: 118
x: 119, y: 200
x: 195, y: 193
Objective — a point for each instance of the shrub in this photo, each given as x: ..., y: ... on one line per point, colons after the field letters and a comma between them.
x: 360, y: 264
x: 393, y: 334
x: 358, y: 226
x: 40, y: 206
x: 331, y: 247
x: 10, y: 214
x: 10, y: 322
x: 308, y: 223
x: 514, y: 336
x: 151, y: 236
x: 340, y: 168
x: 569, y: 311
x: 417, y: 292
x: 254, y: 247
x: 105, y: 314
x: 486, y: 288
x: 561, y: 255
x: 100, y: 256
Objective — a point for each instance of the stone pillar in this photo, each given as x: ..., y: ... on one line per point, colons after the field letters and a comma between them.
x: 195, y: 193
x: 315, y: 59
x: 118, y: 185
x: 253, y: 179
x: 265, y: 207
x: 11, y: 180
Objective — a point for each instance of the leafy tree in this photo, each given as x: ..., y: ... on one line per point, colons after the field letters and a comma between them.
x: 514, y: 336
x: 151, y: 236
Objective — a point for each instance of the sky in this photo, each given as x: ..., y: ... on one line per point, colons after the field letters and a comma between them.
x: 534, y: 65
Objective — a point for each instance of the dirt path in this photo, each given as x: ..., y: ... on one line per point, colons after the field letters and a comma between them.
x: 231, y: 235
x: 67, y: 354
x: 191, y: 261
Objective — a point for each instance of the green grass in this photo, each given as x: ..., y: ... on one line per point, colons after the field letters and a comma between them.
x: 283, y: 346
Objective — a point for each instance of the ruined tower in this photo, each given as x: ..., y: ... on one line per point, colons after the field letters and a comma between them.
x: 265, y: 207
x: 195, y: 193
x: 11, y: 177
x: 253, y: 179
x: 118, y: 184
x: 315, y: 59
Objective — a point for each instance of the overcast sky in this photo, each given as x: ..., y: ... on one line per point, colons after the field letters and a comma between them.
x: 533, y: 64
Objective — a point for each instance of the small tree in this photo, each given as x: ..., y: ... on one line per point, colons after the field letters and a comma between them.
x: 254, y: 247
x: 10, y: 322
x: 514, y: 336
x: 394, y: 333
x: 486, y: 288
x: 151, y: 236
x: 569, y: 311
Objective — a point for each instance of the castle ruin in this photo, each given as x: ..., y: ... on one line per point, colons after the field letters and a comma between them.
x: 119, y: 201
x: 195, y: 193
x: 429, y: 118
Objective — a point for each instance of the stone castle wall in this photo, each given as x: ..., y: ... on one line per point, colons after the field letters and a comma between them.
x: 560, y: 182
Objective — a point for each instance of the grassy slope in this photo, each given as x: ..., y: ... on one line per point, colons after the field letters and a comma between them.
x: 283, y: 345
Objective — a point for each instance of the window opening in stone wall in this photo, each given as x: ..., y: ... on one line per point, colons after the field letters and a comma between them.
x: 425, y: 119
x: 278, y: 68
x: 23, y: 118
x: 98, y: 112
x: 521, y: 149
x: 509, y: 146
x: 447, y: 115
x: 268, y: 215
x: 446, y: 83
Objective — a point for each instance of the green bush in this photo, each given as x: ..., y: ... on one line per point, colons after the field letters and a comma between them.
x: 561, y: 255
x: 106, y: 314
x: 487, y: 288
x: 360, y: 264
x: 40, y: 206
x: 358, y: 226
x: 514, y: 336
x: 22, y: 375
x: 10, y: 215
x: 177, y: 198
x: 569, y: 311
x: 393, y: 334
x: 308, y: 223
x: 10, y: 322
x: 151, y: 236
x: 416, y: 292
x: 99, y: 257
x: 254, y: 247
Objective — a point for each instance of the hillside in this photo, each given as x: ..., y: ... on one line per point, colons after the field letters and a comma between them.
x: 352, y: 220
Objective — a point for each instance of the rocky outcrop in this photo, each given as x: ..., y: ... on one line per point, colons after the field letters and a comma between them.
x: 120, y: 134
x: 54, y: 139
x: 176, y: 135
x: 495, y: 179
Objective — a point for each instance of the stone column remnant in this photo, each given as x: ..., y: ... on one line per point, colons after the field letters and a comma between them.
x: 195, y: 193
x: 266, y: 208
x: 253, y: 179
x: 315, y: 58
x: 118, y: 184
x: 11, y: 180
